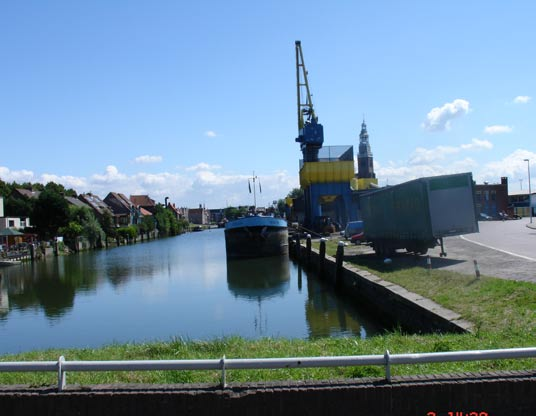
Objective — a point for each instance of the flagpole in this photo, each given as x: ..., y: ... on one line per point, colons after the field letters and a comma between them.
x: 254, y: 195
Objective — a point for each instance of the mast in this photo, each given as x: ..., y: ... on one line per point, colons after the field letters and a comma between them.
x: 254, y: 178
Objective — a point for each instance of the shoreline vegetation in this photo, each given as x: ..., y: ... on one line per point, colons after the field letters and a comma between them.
x: 503, y: 312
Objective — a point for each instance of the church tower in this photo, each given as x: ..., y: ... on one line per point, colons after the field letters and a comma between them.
x: 365, y: 164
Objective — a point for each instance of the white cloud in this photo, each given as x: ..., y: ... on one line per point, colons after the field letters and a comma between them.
x: 439, y: 118
x: 477, y: 144
x: 201, y: 184
x: 395, y: 173
x: 210, y: 133
x: 205, y: 177
x: 202, y: 166
x: 513, y: 166
x: 497, y: 129
x: 19, y: 176
x: 67, y: 181
x: 112, y: 175
x: 522, y: 99
x: 422, y: 156
x: 148, y: 159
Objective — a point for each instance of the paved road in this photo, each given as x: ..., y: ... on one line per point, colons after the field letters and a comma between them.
x: 505, y: 249
x: 502, y: 249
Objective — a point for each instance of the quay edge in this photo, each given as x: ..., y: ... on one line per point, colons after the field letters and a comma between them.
x: 390, y: 301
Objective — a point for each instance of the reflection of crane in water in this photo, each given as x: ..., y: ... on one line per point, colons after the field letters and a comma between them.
x: 258, y: 321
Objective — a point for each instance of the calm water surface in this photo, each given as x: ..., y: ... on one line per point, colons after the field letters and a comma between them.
x: 176, y: 287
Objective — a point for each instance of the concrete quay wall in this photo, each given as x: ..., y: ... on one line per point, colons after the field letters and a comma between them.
x: 391, y: 302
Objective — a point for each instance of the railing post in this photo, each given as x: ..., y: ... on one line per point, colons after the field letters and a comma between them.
x: 298, y: 246
x: 61, y: 374
x: 387, y: 357
x: 223, y: 375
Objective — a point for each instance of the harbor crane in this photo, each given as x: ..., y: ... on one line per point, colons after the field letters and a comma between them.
x: 310, y: 132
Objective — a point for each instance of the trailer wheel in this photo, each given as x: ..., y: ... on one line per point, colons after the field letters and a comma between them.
x: 379, y: 248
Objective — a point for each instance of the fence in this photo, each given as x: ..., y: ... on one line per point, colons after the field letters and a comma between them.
x: 387, y: 360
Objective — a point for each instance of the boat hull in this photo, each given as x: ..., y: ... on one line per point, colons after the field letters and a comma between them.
x: 252, y: 237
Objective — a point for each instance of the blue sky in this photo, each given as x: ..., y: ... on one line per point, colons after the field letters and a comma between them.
x: 187, y: 99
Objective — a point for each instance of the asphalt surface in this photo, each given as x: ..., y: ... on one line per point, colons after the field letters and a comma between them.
x: 505, y: 249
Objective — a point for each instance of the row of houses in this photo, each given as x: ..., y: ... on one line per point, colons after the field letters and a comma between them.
x: 124, y: 211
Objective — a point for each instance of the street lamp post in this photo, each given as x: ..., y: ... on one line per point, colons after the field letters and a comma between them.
x: 530, y: 193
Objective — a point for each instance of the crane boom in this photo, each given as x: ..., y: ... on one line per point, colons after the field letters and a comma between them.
x: 310, y: 132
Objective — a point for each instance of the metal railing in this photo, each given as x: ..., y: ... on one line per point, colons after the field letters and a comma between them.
x: 386, y: 360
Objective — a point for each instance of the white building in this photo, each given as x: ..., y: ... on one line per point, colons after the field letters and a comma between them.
x: 12, y: 222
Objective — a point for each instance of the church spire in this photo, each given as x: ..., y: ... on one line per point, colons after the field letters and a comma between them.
x: 364, y: 157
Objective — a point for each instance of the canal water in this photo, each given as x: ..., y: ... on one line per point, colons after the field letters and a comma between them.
x: 164, y: 289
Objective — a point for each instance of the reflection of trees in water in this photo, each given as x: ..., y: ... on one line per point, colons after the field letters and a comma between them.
x: 118, y: 274
x: 51, y: 284
x: 56, y: 296
x: 122, y: 266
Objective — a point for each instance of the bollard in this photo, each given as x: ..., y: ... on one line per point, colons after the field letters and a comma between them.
x: 298, y: 246
x: 477, y: 270
x: 322, y: 257
x: 429, y: 263
x: 308, y: 251
x: 338, y: 261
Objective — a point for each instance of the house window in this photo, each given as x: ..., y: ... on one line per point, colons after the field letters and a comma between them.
x: 11, y: 224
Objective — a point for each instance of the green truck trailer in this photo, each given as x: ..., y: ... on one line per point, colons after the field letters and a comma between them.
x: 416, y: 215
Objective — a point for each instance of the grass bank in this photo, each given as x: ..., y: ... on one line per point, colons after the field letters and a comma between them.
x: 503, y: 311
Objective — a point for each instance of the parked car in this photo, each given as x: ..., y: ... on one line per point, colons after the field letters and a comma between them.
x: 352, y: 228
x: 358, y: 238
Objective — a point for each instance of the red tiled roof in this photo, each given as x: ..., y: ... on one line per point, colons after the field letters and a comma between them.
x: 142, y: 200
x: 145, y: 213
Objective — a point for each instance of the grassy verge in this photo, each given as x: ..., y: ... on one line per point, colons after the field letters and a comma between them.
x: 503, y: 311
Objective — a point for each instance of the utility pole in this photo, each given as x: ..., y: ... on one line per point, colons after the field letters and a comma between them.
x: 530, y: 192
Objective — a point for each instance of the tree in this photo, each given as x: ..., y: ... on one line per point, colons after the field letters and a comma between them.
x: 51, y: 212
x: 281, y: 207
x: 19, y: 207
x: 295, y: 193
x: 107, y: 224
x: 162, y: 220
x: 60, y: 189
x: 232, y: 213
x: 146, y: 225
x: 71, y: 231
x: 167, y: 223
x: 93, y: 231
